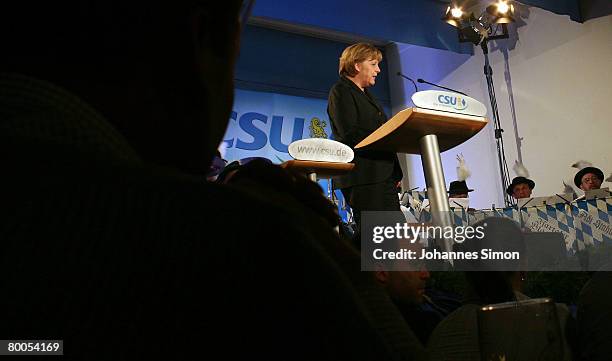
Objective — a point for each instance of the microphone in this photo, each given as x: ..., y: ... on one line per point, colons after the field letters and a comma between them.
x: 440, y: 86
x: 416, y: 89
x: 459, y: 204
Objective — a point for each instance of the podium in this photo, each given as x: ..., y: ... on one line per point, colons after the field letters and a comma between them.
x: 427, y: 132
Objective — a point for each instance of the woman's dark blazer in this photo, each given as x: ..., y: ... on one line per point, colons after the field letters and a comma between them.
x: 354, y: 114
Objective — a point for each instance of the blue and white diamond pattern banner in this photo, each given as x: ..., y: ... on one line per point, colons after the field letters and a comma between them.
x: 592, y: 218
x: 551, y: 218
x: 586, y: 223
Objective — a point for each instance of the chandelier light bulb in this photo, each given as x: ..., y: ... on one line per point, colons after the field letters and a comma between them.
x: 456, y: 12
x: 502, y: 7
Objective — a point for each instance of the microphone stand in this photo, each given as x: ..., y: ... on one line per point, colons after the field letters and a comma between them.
x: 464, y: 211
x: 501, y: 152
x: 416, y: 89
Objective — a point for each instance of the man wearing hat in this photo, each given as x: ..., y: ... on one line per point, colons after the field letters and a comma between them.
x: 458, y: 189
x: 589, y: 178
x: 520, y: 187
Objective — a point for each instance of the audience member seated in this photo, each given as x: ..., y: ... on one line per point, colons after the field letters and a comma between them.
x: 406, y: 283
x: 456, y: 337
x: 589, y: 178
x: 110, y: 112
x: 407, y: 290
x: 520, y: 187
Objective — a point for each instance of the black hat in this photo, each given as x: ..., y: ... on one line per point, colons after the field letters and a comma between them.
x: 458, y: 187
x: 520, y: 180
x: 583, y: 171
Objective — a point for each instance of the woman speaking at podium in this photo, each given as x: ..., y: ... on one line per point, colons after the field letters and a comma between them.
x: 354, y: 114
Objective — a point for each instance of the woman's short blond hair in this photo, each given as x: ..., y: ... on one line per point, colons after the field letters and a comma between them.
x: 355, y: 54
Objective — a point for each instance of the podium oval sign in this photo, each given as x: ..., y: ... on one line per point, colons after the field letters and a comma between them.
x: 449, y: 102
x: 321, y: 150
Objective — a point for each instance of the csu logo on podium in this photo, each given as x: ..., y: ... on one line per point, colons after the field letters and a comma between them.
x: 456, y: 102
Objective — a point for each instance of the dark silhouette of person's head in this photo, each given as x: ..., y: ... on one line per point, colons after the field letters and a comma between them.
x: 135, y: 261
x: 160, y: 71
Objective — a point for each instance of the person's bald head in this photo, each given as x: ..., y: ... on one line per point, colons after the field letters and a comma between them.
x: 404, y: 280
x: 160, y: 71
